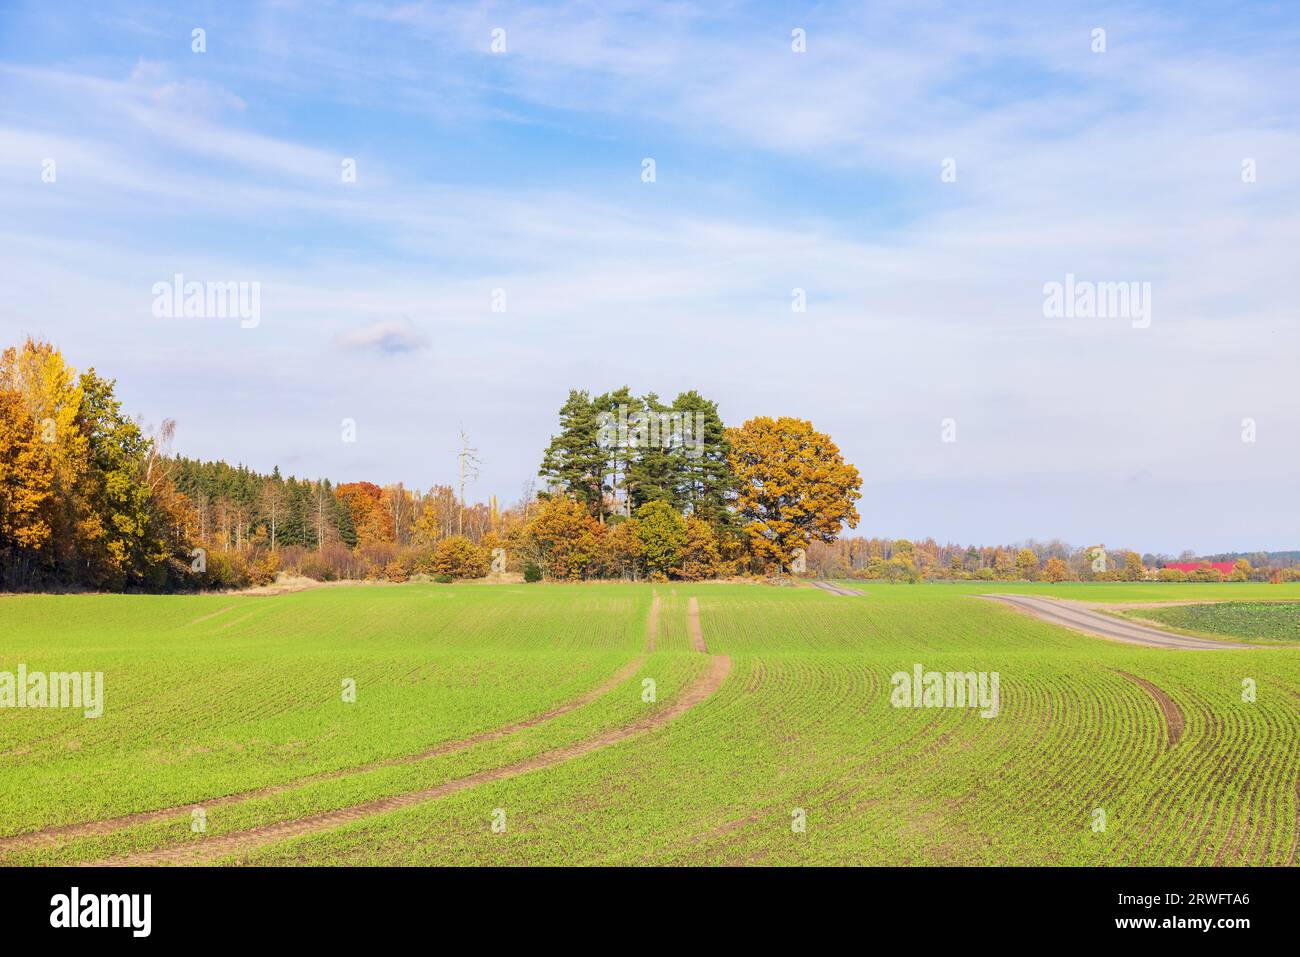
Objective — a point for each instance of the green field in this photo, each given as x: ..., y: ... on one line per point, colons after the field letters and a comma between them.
x: 1254, y: 621
x: 231, y: 704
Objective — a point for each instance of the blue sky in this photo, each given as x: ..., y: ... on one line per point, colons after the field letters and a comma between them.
x: 775, y: 170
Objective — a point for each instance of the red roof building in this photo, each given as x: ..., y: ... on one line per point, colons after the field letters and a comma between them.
x: 1225, y: 568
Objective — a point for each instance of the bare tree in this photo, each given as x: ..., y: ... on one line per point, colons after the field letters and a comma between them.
x: 469, y: 463
x: 273, y: 505
x: 321, y: 500
x: 399, y: 506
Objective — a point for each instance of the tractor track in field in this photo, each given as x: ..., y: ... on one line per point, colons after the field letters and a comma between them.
x: 1079, y: 617
x: 693, y: 619
x: 1173, y: 715
x: 837, y: 589
x: 218, y: 847
x: 53, y: 836
x: 652, y: 625
x: 210, y: 616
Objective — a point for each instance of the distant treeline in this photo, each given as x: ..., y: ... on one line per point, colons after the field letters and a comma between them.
x: 635, y: 487
x: 926, y: 559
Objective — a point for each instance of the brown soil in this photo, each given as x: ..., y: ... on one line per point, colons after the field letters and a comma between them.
x: 1174, y: 721
x: 697, y: 636
x: 836, y: 589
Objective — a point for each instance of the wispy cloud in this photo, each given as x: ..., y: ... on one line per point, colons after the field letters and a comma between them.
x: 520, y: 172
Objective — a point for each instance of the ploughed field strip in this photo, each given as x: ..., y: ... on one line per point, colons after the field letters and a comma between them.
x: 790, y: 715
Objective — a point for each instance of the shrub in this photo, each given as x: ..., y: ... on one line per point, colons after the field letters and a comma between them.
x: 317, y: 567
x: 394, y: 571
x: 263, y: 571
x: 443, y: 579
x: 225, y: 570
x: 532, y: 572
x: 458, y: 557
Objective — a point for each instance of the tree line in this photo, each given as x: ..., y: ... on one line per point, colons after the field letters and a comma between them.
x: 634, y: 488
x: 904, y: 560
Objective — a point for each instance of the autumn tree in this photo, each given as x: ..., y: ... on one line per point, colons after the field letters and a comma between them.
x: 700, y: 556
x: 397, y: 501
x: 437, y: 516
x: 1133, y: 569
x: 1027, y: 564
x: 364, y: 501
x: 565, y: 537
x: 793, y: 486
x: 623, y: 551
x: 26, y: 479
x: 458, y: 557
x: 1055, y: 570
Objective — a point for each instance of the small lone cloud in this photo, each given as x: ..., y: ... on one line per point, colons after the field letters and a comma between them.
x: 393, y: 337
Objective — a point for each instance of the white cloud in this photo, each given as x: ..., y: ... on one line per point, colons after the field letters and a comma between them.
x: 924, y: 297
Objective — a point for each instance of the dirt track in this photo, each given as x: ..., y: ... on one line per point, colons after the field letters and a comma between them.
x: 1080, y: 617
x: 212, y: 849
x: 652, y: 624
x: 837, y: 589
x: 53, y: 836
x: 693, y: 619
x: 1174, y: 720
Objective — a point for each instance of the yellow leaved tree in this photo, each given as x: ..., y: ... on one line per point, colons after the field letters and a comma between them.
x: 793, y: 486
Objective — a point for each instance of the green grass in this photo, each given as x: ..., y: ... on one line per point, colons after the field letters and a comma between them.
x: 1097, y: 591
x: 1252, y: 621
x: 203, y: 706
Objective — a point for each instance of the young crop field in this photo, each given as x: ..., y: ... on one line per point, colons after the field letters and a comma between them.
x: 1253, y: 621
x: 645, y: 724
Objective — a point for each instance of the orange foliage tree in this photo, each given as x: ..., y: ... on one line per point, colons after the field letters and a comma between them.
x: 794, y: 487
x: 365, y: 502
x: 567, y: 539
